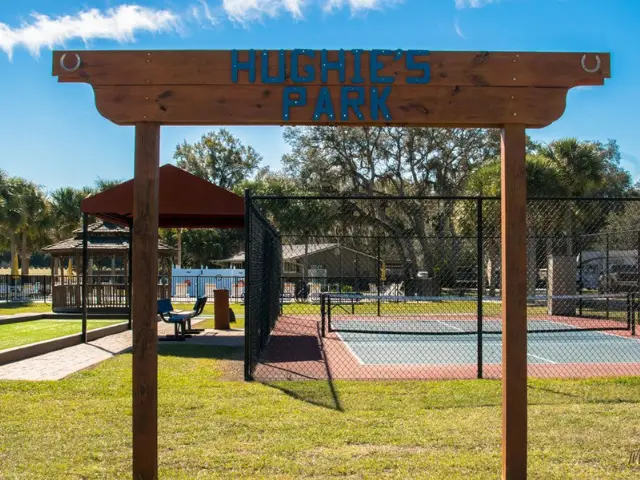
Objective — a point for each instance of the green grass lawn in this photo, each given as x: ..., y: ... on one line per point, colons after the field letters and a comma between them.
x: 24, y: 333
x: 25, y: 308
x: 489, y: 308
x: 213, y: 427
x: 445, y: 306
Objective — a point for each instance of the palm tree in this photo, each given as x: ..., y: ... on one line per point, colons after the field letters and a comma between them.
x: 101, y: 184
x: 11, y: 215
x: 65, y: 210
x: 35, y: 221
x: 4, y: 199
x: 586, y: 169
x: 543, y: 179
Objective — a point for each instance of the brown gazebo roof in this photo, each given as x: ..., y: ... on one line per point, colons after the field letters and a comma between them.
x: 184, y: 201
x: 103, y: 238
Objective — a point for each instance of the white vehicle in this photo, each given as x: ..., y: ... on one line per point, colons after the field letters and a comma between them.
x: 592, y: 265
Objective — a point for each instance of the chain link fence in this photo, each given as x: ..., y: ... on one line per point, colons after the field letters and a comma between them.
x: 386, y: 287
x: 263, y: 281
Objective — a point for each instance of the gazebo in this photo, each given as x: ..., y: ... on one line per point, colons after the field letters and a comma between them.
x: 108, y: 267
x: 184, y: 200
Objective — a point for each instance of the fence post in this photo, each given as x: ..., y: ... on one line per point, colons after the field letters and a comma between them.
x: 638, y: 262
x: 379, y: 277
x: 607, y: 284
x: 248, y: 320
x: 480, y: 283
x: 85, y: 266
x: 322, y: 315
x: 633, y: 314
x: 581, y: 279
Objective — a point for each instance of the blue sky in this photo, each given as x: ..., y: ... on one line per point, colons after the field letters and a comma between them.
x: 52, y: 134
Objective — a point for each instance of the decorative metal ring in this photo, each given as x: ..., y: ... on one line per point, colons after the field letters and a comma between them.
x: 77, y: 65
x: 590, y: 70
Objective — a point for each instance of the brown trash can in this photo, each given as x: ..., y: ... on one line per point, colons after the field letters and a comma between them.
x: 221, y: 309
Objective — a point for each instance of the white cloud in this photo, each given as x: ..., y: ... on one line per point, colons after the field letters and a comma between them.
x: 122, y: 22
x: 456, y: 25
x: 358, y: 5
x: 119, y: 23
x: 244, y: 11
x: 474, y: 3
x: 203, y: 10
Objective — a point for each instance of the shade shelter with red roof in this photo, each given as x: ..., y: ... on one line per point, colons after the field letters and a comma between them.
x: 184, y: 200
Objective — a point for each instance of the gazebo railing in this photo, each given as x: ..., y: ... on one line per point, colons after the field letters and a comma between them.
x: 112, y: 291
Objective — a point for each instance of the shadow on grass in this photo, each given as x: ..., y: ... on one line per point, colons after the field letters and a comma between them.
x: 201, y: 351
x: 315, y: 392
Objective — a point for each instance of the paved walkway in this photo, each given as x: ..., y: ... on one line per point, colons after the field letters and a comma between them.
x: 61, y: 363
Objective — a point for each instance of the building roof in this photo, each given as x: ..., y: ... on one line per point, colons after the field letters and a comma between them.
x: 103, y: 228
x: 104, y: 237
x: 185, y: 201
x: 295, y: 252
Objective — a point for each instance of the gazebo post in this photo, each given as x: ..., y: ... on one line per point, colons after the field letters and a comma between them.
x: 129, y: 273
x: 85, y: 266
x: 514, y: 302
x: 145, y: 276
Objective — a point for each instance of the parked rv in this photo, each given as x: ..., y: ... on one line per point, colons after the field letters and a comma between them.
x: 617, y: 269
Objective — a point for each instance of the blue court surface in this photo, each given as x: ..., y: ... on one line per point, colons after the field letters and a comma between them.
x: 549, y: 347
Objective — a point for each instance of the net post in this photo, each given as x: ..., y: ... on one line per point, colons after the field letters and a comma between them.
x: 479, y: 245
x: 247, y: 290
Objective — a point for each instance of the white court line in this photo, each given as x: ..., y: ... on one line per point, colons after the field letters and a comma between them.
x: 541, y: 358
x: 346, y: 344
x: 573, y: 327
x: 450, y: 326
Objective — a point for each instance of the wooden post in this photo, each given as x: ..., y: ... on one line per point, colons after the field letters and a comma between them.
x: 144, y: 308
x: 85, y: 266
x: 221, y: 306
x: 130, y: 277
x: 514, y: 303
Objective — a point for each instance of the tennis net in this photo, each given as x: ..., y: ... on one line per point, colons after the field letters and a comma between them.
x: 413, y: 315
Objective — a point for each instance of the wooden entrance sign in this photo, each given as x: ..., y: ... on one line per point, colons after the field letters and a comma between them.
x: 508, y: 90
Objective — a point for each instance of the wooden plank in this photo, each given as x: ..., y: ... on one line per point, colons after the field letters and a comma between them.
x: 144, y: 307
x: 214, y: 67
x: 241, y: 105
x: 514, y: 303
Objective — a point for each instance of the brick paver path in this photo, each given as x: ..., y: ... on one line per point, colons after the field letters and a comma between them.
x: 59, y: 364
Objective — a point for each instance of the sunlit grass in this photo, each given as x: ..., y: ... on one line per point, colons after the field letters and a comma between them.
x: 24, y: 333
x: 210, y: 427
